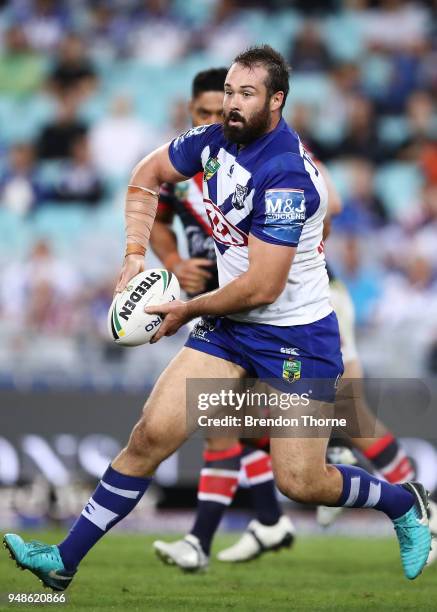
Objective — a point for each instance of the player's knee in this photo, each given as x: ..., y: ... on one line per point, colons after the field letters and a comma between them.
x: 300, y: 486
x: 289, y: 486
x: 145, y: 439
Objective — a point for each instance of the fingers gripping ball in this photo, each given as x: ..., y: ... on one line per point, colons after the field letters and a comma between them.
x: 128, y: 324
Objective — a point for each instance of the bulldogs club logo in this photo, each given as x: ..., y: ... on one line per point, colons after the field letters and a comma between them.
x: 239, y: 196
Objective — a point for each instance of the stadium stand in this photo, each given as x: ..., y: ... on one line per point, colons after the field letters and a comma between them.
x: 363, y: 91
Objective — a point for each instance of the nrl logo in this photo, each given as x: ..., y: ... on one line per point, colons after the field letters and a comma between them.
x: 291, y: 370
x: 211, y: 167
x: 239, y: 196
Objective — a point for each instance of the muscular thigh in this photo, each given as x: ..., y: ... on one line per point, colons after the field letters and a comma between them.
x: 165, y: 410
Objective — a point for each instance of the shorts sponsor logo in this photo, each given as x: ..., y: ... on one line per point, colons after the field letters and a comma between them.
x: 291, y: 369
x: 284, y: 205
x: 201, y: 330
x: 285, y: 350
x: 211, y: 167
x: 222, y: 230
x: 239, y: 196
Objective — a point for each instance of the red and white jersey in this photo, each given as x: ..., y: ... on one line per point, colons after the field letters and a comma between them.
x: 185, y: 200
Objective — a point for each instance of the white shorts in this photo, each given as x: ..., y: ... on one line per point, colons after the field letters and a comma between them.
x: 345, y: 311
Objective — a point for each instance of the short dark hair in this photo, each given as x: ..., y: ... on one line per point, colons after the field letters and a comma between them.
x: 276, y: 66
x: 209, y: 80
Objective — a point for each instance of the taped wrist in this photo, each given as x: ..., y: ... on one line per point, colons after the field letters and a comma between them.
x: 140, y: 212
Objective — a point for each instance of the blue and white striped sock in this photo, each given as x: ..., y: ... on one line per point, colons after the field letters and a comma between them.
x: 362, y: 490
x: 115, y: 497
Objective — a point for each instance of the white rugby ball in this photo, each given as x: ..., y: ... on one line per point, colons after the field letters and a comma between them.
x: 128, y: 324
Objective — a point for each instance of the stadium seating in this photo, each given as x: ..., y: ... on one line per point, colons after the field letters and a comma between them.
x: 92, y: 238
x: 398, y: 185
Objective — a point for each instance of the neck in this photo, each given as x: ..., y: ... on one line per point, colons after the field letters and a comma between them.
x: 276, y: 118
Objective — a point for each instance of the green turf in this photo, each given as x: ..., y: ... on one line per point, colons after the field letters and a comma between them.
x: 323, y: 573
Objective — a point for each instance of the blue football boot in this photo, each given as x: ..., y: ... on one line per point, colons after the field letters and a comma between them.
x: 41, y: 559
x: 413, y: 532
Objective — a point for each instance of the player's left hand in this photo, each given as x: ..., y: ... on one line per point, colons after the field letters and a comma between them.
x: 175, y: 313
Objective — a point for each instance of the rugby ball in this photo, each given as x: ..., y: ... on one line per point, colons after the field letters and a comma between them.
x: 128, y: 324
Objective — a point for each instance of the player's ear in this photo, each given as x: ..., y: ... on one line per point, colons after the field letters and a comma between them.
x: 276, y: 100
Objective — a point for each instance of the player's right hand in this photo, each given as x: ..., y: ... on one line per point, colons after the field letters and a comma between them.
x: 192, y: 275
x: 132, y: 265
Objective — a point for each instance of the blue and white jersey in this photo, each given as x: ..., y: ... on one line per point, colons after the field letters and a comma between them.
x: 271, y: 189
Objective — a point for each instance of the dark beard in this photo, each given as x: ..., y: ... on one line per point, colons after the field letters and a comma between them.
x: 258, y: 126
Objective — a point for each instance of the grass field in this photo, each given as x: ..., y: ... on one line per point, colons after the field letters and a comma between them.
x: 323, y: 573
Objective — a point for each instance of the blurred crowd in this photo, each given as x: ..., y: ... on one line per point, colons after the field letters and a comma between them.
x: 88, y: 88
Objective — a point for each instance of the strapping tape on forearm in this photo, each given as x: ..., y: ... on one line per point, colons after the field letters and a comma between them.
x: 140, y: 213
x: 137, y: 189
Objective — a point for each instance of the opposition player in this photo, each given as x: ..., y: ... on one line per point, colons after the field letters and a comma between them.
x: 198, y: 273
x: 273, y: 290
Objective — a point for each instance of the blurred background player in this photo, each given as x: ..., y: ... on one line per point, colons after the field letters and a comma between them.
x: 224, y: 458
x: 198, y: 273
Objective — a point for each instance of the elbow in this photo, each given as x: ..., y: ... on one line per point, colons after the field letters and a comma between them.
x: 136, y: 174
x: 154, y: 169
x: 145, y: 174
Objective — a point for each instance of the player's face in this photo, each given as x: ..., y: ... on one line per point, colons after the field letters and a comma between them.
x: 207, y: 108
x: 247, y: 108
